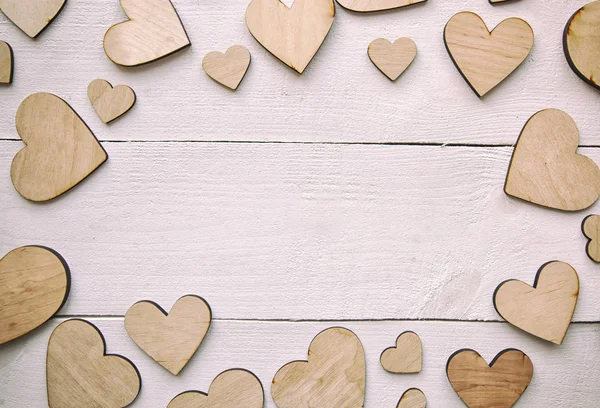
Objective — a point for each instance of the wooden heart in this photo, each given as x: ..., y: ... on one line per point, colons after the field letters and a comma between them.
x: 32, y: 17
x: 406, y: 357
x: 591, y: 229
x: 498, y: 385
x: 486, y: 58
x: 392, y: 59
x: 545, y: 168
x: 170, y: 339
x: 231, y: 389
x: 153, y: 31
x: 110, y: 103
x: 60, y: 149
x: 7, y: 62
x: 412, y: 398
x: 365, y: 6
x: 34, y: 285
x: 227, y: 69
x: 292, y: 35
x: 581, y: 43
x: 544, y: 310
x: 79, y: 373
x: 334, y: 375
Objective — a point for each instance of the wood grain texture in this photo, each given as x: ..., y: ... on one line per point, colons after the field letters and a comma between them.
x: 365, y: 6
x: 108, y: 102
x: 581, y: 42
x: 7, y: 61
x: 591, y: 229
x: 227, y: 69
x: 32, y: 16
x: 405, y: 357
x: 412, y: 398
x: 392, y: 59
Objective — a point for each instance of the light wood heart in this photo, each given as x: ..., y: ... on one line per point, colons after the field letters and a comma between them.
x: 227, y: 69
x: 412, y: 398
x: 32, y: 17
x: 334, y: 375
x: 153, y: 31
x: 110, y: 103
x: 292, y: 35
x: 231, y: 389
x: 80, y: 374
x: 170, y: 339
x: 365, y: 6
x: 498, y: 385
x: 60, y: 149
x: 7, y: 62
x: 406, y: 357
x: 544, y: 310
x: 545, y: 168
x: 581, y: 43
x: 486, y: 58
x: 34, y: 285
x: 392, y: 59
x: 591, y: 229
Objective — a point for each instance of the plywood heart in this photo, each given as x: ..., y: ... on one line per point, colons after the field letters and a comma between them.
x: 412, y: 398
x: 365, y: 6
x: 392, y: 59
x: 581, y: 43
x: 227, y: 69
x: 32, y: 16
x: 591, y: 229
x: 110, y: 103
x: 7, y: 62
x: 406, y: 357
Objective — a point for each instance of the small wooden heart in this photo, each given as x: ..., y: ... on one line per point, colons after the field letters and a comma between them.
x: 32, y: 17
x: 412, y: 398
x: 406, y: 357
x: 153, y: 31
x: 110, y: 103
x: 498, y: 385
x: 581, y: 43
x: 292, y: 35
x: 227, y: 69
x: 7, y: 62
x: 333, y: 376
x: 486, y: 58
x: 544, y: 310
x: 79, y: 373
x: 34, y: 285
x: 392, y: 59
x: 60, y: 152
x: 170, y: 339
x: 591, y: 229
x: 365, y: 6
x: 231, y: 389
x: 545, y: 168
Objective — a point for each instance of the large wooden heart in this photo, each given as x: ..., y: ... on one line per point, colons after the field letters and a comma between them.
x: 334, y: 375
x: 7, y: 61
x: 545, y: 168
x: 292, y: 35
x: 32, y: 16
x: 544, y: 310
x: 497, y: 385
x: 34, y: 285
x: 60, y: 149
x: 581, y: 43
x: 365, y: 6
x: 79, y: 373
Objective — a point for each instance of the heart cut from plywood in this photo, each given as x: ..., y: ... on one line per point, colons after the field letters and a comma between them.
x: 412, y: 398
x: 170, y: 339
x: 497, y: 385
x: 334, y: 375
x: 392, y: 59
x: 34, y: 285
x: 294, y: 35
x: 153, y: 31
x: 591, y: 229
x: 110, y: 103
x: 406, y: 357
x: 7, y: 62
x: 235, y: 388
x: 544, y: 310
x: 365, y: 6
x: 581, y: 43
x: 486, y: 58
x: 545, y: 168
x: 32, y: 16
x: 227, y: 69
x: 80, y: 374
x: 60, y: 149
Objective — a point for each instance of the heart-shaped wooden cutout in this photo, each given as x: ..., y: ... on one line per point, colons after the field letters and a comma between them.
x: 80, y: 374
x: 486, y: 58
x: 170, y: 339
x: 365, y: 6
x: 235, y: 388
x: 412, y: 398
x: 60, y: 149
x: 581, y: 43
x: 227, y: 69
x: 110, y: 103
x: 292, y: 35
x: 591, y: 229
x: 392, y: 59
x: 153, y: 31
x: 34, y: 285
x: 497, y: 385
x: 544, y: 310
x: 545, y: 168
x: 7, y: 62
x: 334, y: 375
x: 32, y: 17
x: 406, y: 357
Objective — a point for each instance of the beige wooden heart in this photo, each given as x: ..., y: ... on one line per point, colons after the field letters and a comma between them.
x: 153, y: 31
x: 365, y: 6
x: 60, y: 149
x: 581, y: 43
x: 170, y: 339
x: 110, y: 103
x: 31, y: 16
x: 227, y: 69
x: 406, y: 357
x: 7, y: 61
x: 591, y: 229
x: 80, y: 374
x: 486, y: 58
x: 231, y: 389
x: 545, y: 168
x: 412, y: 398
x: 292, y: 35
x: 544, y: 310
x: 392, y: 59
